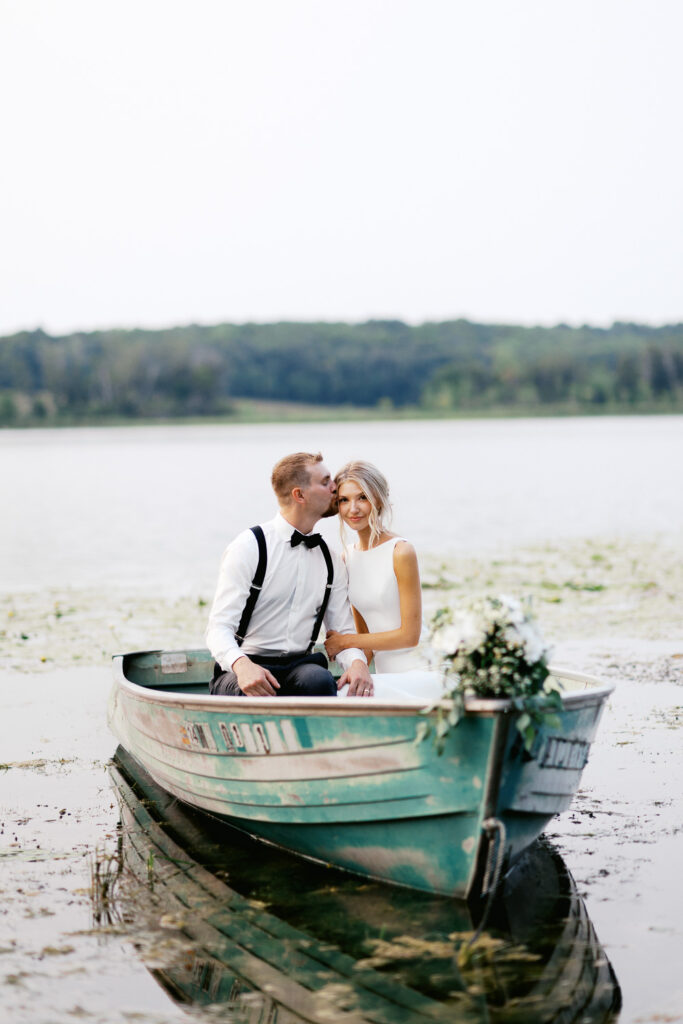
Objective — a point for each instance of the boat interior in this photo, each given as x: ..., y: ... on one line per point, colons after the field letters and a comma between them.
x: 190, y: 671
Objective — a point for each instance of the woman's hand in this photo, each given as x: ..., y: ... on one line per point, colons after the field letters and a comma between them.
x: 335, y: 642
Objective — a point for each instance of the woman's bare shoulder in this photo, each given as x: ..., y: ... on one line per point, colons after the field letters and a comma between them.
x: 404, y: 551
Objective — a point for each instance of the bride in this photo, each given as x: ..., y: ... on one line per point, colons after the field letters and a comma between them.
x: 384, y: 589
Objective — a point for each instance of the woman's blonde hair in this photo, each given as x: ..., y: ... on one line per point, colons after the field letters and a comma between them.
x: 376, y: 489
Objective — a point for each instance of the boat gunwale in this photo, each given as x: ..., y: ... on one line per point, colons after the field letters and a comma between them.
x: 597, y: 690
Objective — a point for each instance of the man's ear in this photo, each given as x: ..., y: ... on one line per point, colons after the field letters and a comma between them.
x: 298, y: 496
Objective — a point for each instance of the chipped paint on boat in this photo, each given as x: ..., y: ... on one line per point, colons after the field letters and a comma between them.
x: 344, y: 781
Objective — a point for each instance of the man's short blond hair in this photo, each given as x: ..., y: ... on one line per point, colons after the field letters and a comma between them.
x: 292, y: 471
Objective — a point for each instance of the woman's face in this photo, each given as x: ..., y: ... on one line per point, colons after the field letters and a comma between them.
x: 354, y: 506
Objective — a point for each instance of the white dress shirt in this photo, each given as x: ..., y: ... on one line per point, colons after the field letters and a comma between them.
x: 287, y: 606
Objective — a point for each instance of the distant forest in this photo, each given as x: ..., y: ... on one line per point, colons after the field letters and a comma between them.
x: 450, y: 368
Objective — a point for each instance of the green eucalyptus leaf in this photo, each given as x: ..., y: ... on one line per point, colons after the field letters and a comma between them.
x: 524, y: 721
x: 529, y: 737
x: 422, y: 732
x: 555, y: 700
x: 442, y: 728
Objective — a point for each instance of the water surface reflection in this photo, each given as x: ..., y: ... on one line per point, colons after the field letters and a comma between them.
x: 228, y: 923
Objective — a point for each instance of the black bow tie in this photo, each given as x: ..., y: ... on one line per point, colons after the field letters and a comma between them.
x: 310, y: 540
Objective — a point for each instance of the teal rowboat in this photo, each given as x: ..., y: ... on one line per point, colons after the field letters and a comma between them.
x: 345, y: 782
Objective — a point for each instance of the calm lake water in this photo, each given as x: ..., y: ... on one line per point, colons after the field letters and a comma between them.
x: 153, y: 507
x: 156, y: 505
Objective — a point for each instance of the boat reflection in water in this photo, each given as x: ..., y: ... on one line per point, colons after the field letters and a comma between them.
x: 260, y: 936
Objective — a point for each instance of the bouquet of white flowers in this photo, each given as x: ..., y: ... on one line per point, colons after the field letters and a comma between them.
x: 493, y: 648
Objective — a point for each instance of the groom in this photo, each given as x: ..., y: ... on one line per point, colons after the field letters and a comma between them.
x: 278, y: 583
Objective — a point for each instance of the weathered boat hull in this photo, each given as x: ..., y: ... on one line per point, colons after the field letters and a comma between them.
x: 345, y: 781
x: 252, y: 936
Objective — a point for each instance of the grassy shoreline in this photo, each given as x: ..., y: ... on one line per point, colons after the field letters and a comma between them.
x: 246, y: 411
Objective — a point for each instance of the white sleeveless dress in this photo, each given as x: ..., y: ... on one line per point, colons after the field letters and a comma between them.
x: 373, y: 591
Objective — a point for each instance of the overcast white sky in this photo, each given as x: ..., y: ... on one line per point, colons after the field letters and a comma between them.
x: 176, y: 161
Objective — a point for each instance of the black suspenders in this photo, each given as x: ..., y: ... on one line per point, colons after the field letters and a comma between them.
x: 326, y: 597
x: 257, y: 583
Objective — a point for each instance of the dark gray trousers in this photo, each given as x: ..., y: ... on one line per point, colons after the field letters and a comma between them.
x: 306, y: 675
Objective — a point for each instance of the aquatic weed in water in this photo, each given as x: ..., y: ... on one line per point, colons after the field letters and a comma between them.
x: 105, y: 873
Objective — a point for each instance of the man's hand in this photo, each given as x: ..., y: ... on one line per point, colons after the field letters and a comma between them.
x: 254, y: 680
x: 334, y: 643
x: 359, y: 680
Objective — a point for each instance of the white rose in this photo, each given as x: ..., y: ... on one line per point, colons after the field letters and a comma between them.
x: 473, y: 628
x: 447, y: 639
x: 534, y: 648
x: 513, y: 636
x: 514, y: 609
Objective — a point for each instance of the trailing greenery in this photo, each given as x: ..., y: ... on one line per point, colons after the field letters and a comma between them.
x: 450, y: 368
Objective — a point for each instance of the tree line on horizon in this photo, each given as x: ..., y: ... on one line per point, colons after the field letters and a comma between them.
x: 445, y: 368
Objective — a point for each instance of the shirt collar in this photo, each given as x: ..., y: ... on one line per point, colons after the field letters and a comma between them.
x: 282, y: 527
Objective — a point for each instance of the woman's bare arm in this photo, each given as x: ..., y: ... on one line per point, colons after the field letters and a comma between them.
x: 361, y: 628
x: 410, y: 600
